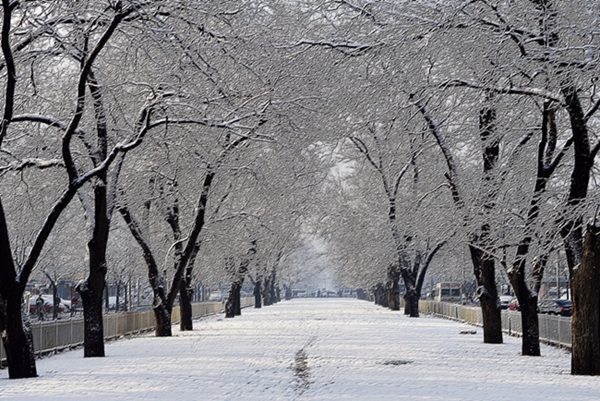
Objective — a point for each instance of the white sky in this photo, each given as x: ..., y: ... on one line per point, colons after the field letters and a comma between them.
x: 353, y: 350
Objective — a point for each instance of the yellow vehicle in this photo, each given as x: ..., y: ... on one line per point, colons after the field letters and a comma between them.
x: 448, y: 292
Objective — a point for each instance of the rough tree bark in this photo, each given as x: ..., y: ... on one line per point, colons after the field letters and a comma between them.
x: 581, y: 256
x: 257, y: 296
x: 18, y: 341
x: 91, y: 291
x: 481, y: 247
x: 162, y: 315
x: 269, y: 292
x: 585, y: 281
x: 185, y: 289
x: 233, y: 304
x: 266, y: 294
x: 16, y: 337
x: 391, y: 191
x: 546, y: 165
x: 418, y: 273
x: 485, y: 274
x: 288, y: 292
x: 379, y: 295
x: 392, y: 288
x: 274, y: 288
x: 483, y: 264
x: 186, y: 293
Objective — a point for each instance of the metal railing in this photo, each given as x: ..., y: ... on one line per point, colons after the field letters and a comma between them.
x: 56, y: 335
x: 554, y: 330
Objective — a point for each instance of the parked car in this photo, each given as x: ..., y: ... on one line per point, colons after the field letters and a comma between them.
x: 505, y: 300
x: 216, y: 296
x: 514, y: 305
x: 112, y: 303
x: 63, y: 306
x: 556, y: 307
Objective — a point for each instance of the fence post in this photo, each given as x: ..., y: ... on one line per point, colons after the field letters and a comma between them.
x: 114, y: 327
x: 41, y: 337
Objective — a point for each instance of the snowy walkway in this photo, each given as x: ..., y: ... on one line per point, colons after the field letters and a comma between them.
x: 309, y: 349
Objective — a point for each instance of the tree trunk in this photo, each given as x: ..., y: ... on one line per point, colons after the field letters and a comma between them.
x: 162, y: 320
x: 91, y: 292
x: 185, y: 286
x: 93, y: 324
x: 91, y: 296
x: 530, y: 326
x: 185, y: 306
x: 528, y: 302
x: 273, y: 288
x: 582, y: 256
x: 267, y: 292
x: 16, y: 333
x: 238, y: 301
x: 18, y: 341
x: 485, y: 273
x: 407, y: 304
x: 546, y: 164
x: 492, y: 320
x: 585, y: 281
x: 411, y: 303
x: 288, y: 292
x: 118, y: 297
x: 232, y: 306
x: 257, y: 296
x: 392, y: 288
x: 484, y: 265
x: 380, y: 298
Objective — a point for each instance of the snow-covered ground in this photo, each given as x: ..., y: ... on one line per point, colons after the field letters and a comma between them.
x: 309, y: 349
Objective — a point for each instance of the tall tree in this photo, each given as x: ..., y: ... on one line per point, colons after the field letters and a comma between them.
x: 17, y: 337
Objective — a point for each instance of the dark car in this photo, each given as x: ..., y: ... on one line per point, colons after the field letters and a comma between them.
x: 556, y: 307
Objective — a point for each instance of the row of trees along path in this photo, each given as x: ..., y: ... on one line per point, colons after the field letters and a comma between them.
x: 225, y: 140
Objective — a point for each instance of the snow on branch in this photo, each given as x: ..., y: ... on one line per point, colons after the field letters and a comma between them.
x: 505, y: 90
x: 362, y: 148
x: 363, y: 10
x: 345, y: 47
x: 31, y: 162
x: 592, y: 110
x: 233, y: 124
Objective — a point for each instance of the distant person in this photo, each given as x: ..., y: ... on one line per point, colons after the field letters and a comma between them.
x: 39, y: 303
x: 74, y: 304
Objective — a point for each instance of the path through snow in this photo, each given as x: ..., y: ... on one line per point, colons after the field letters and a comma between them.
x: 309, y: 349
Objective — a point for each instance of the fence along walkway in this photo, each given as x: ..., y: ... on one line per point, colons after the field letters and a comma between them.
x: 555, y: 330
x: 56, y: 335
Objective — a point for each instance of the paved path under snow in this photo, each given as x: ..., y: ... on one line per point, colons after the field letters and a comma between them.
x: 309, y: 349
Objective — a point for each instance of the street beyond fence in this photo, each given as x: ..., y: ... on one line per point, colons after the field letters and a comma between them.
x: 309, y: 349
